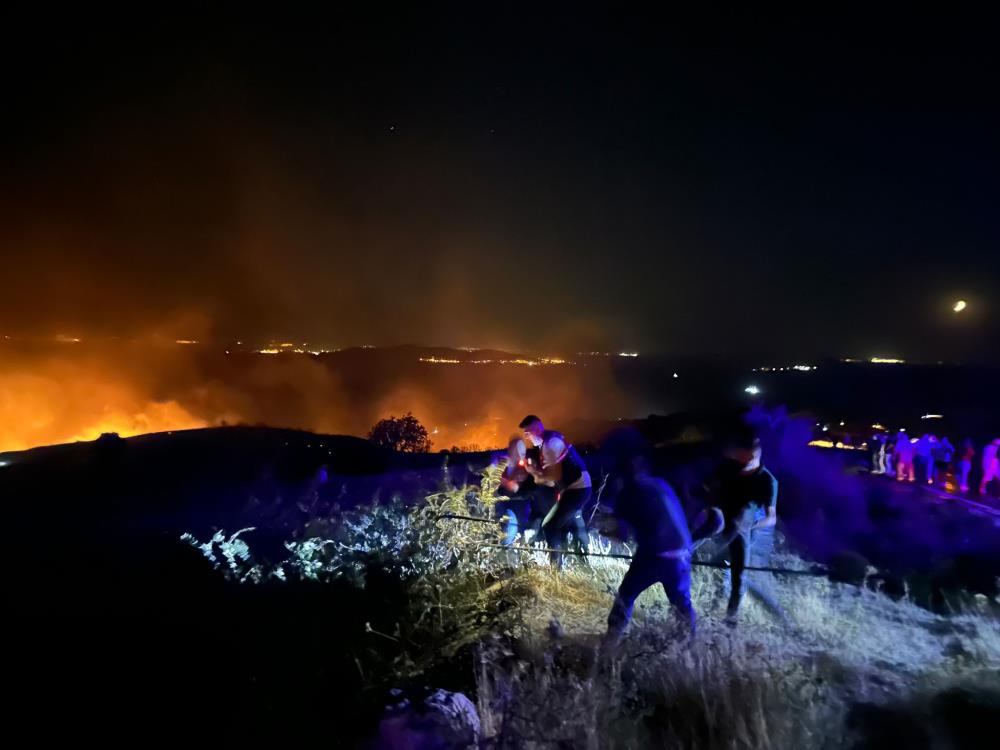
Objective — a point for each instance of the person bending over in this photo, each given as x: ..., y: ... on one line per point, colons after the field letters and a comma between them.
x: 559, y: 467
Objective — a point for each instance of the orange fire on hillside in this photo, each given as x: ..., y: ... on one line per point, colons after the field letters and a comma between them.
x: 64, y: 394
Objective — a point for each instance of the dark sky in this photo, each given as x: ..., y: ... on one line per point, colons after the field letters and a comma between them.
x: 730, y: 186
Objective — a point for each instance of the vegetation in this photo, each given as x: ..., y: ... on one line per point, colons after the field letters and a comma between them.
x: 404, y: 434
x: 527, y: 642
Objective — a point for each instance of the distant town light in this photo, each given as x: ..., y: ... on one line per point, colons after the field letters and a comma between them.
x: 932, y: 416
x: 752, y: 390
x: 959, y: 306
x: 887, y: 361
x: 628, y: 354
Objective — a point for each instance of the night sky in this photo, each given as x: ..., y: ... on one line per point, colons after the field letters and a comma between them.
x: 735, y: 187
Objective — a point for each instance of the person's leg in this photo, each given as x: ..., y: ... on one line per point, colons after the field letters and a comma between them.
x: 555, y: 527
x: 581, y: 537
x: 760, y: 585
x: 640, y: 575
x: 578, y: 525
x: 561, y: 520
x: 963, y: 475
x: 739, y: 551
x: 989, y: 474
x: 675, y: 577
x: 505, y: 508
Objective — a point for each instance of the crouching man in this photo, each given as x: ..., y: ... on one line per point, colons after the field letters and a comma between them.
x: 525, y: 503
x: 648, y: 508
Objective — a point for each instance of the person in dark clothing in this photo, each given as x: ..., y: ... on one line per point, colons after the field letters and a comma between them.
x: 562, y: 468
x: 747, y: 493
x: 943, y: 456
x: 648, y: 509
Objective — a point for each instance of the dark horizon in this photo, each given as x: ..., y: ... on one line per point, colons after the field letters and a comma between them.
x: 574, y: 184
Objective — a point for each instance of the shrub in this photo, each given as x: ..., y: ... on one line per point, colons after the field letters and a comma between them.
x: 404, y: 434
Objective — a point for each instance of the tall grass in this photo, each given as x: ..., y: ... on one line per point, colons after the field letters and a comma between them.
x: 544, y: 679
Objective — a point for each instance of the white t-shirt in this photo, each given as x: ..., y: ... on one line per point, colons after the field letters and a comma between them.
x: 554, y: 451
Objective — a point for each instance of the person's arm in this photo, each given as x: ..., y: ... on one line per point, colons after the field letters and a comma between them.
x: 771, y: 507
x: 553, y: 452
x: 769, y: 520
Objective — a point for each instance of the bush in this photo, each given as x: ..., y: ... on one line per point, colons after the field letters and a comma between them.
x: 404, y: 434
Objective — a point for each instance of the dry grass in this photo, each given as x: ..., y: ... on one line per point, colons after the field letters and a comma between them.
x: 759, y: 685
x: 544, y: 680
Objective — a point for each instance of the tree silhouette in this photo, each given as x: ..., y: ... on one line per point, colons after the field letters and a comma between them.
x: 404, y: 434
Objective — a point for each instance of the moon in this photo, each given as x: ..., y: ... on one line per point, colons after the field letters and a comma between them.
x: 959, y: 306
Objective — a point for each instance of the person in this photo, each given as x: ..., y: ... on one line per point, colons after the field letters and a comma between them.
x: 517, y: 485
x: 942, y: 459
x: 527, y: 503
x: 923, y: 459
x: 902, y: 458
x: 991, y: 465
x: 561, y: 467
x: 873, y: 445
x: 877, y: 448
x: 647, y: 508
x: 747, y: 493
x: 965, y: 464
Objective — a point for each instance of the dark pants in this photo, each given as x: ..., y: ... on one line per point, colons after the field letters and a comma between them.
x: 543, y: 500
x: 567, y: 516
x: 525, y: 510
x: 674, y: 574
x: 752, y: 549
x: 923, y: 467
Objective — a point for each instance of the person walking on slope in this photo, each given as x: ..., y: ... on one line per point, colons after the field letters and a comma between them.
x: 943, y: 459
x: 748, y: 496
x: 903, y: 457
x: 965, y: 464
x: 991, y: 465
x: 924, y: 458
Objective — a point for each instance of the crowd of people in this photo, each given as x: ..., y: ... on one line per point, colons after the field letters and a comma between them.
x: 548, y: 497
x: 932, y: 460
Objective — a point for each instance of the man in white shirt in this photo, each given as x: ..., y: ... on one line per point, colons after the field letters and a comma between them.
x: 560, y: 467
